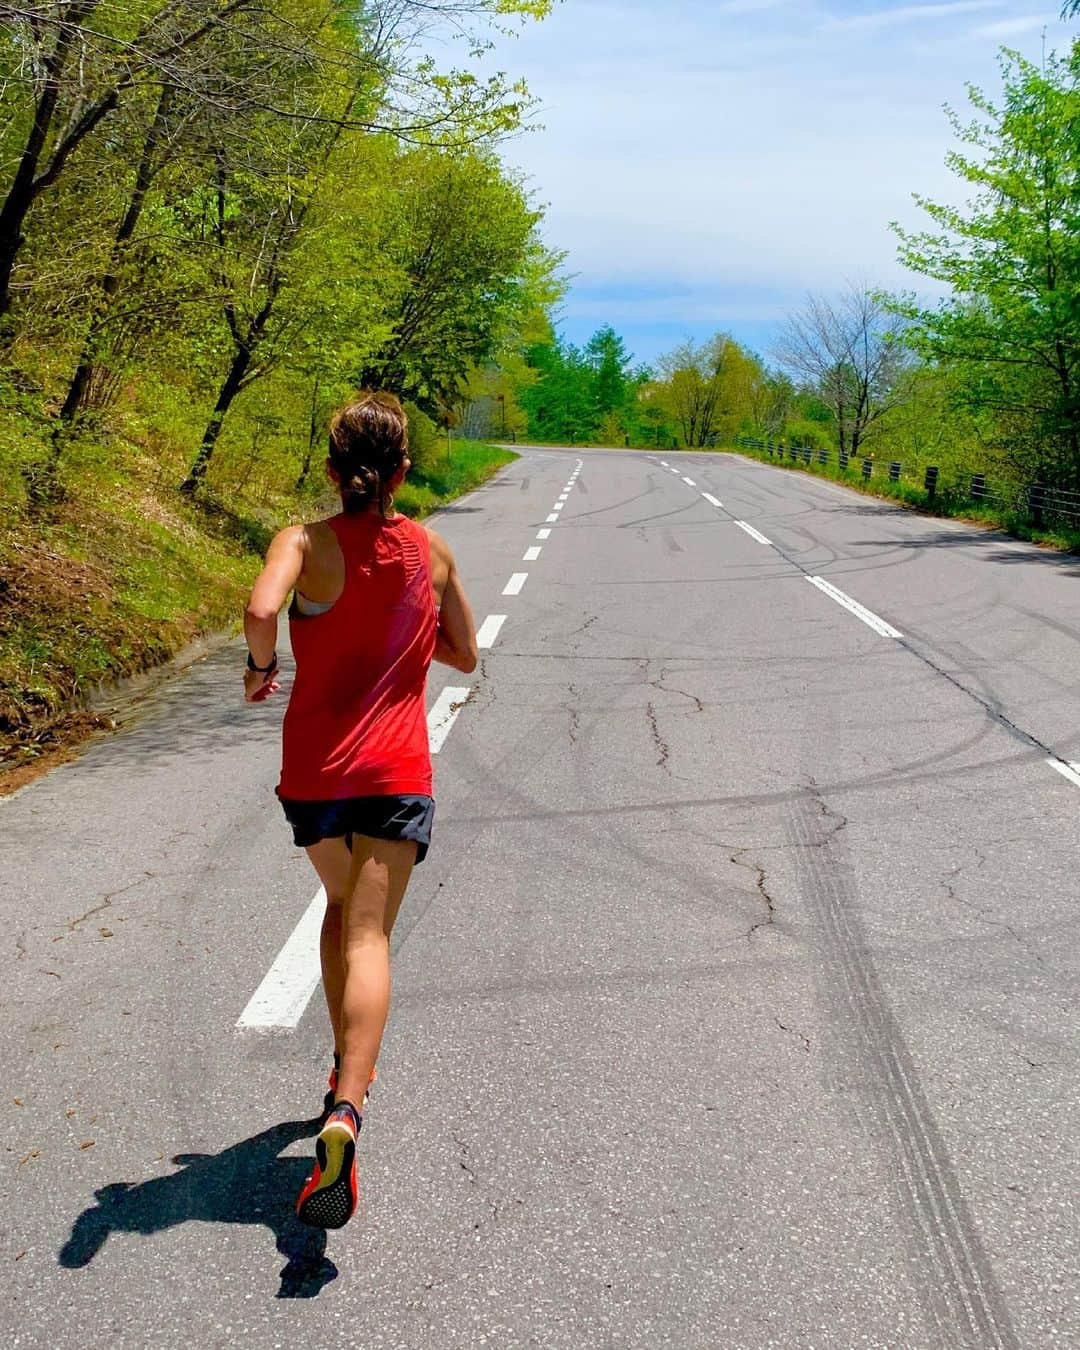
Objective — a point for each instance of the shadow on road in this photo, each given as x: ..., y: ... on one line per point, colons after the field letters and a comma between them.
x: 245, y: 1183
x: 997, y: 547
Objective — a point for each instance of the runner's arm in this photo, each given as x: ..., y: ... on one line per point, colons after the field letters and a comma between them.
x: 284, y: 563
x: 455, y: 639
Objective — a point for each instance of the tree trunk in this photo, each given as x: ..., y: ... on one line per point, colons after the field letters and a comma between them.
x: 313, y: 432
x: 110, y: 282
x: 21, y: 195
x: 233, y: 383
x: 25, y: 185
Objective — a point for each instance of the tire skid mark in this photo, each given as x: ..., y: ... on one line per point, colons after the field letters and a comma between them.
x: 962, y: 1297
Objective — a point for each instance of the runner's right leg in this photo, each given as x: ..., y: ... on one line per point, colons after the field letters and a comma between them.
x: 378, y: 877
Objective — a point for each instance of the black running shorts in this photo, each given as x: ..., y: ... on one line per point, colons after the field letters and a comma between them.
x: 389, y: 817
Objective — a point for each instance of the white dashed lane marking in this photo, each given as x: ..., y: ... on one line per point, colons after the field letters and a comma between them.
x: 531, y: 554
x: 852, y: 606
x: 711, y: 499
x: 489, y: 631
x: 443, y: 716
x: 290, y: 982
x: 754, y: 534
x: 553, y: 518
x: 1071, y: 772
x: 543, y: 534
x: 514, y: 585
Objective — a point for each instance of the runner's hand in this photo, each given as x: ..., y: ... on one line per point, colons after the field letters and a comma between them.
x: 258, y: 686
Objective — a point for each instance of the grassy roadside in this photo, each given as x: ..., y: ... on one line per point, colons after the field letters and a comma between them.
x: 947, y: 503
x: 123, y: 574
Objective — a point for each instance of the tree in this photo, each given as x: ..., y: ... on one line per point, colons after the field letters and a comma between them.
x: 707, y: 387
x: 78, y: 61
x: 606, y: 353
x: 464, y: 268
x: 772, y: 397
x: 68, y: 68
x: 1011, y: 328
x: 850, y: 352
x: 560, y: 402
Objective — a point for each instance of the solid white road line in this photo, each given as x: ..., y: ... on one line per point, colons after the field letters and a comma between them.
x: 489, y: 631
x: 754, y: 534
x: 531, y: 554
x: 689, y: 481
x: 553, y: 518
x: 1069, y: 771
x: 514, y: 585
x: 280, y: 1000
x: 860, y: 611
x: 443, y: 716
x: 543, y: 534
x: 710, y: 498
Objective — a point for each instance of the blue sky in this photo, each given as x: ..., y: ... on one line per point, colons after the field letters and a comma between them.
x: 707, y: 162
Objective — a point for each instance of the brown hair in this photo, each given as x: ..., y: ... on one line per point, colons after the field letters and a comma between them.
x: 368, y: 443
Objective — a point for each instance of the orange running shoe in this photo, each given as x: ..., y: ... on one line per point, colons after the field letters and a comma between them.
x: 329, y: 1199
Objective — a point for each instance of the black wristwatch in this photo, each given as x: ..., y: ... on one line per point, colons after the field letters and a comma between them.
x: 261, y: 670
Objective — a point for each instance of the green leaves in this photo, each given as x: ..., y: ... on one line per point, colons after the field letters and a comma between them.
x: 1011, y: 258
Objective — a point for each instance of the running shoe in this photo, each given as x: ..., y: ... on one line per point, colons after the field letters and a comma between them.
x: 329, y: 1198
x: 331, y: 1092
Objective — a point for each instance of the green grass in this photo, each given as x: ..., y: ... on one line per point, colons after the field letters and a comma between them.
x: 443, y: 477
x: 949, y: 502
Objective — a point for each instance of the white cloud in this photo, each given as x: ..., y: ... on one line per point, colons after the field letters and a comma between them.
x: 882, y: 18
x: 1009, y: 28
x: 697, y: 162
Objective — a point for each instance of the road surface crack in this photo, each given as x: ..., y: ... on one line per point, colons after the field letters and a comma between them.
x: 793, y: 1031
x: 663, y: 751
x: 106, y: 901
x: 837, y: 822
x: 463, y: 1161
x: 759, y: 877
x: 672, y: 689
x: 982, y: 912
x: 582, y: 628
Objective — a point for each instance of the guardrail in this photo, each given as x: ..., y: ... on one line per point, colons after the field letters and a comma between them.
x: 1039, y: 502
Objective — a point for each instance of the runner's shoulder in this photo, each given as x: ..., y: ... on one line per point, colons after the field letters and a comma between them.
x: 288, y: 540
x: 439, y: 547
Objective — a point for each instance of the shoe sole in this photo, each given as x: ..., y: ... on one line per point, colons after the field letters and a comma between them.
x: 332, y: 1202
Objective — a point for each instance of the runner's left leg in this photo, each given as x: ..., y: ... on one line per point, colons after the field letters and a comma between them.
x: 332, y: 860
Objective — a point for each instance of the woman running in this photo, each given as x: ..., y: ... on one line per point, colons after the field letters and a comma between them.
x: 376, y: 598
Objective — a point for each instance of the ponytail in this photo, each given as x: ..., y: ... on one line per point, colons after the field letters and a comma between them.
x: 368, y: 442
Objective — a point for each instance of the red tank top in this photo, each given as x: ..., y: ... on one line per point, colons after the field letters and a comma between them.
x: 356, y: 724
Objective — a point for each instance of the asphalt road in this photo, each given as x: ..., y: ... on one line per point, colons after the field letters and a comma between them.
x: 735, y: 1006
